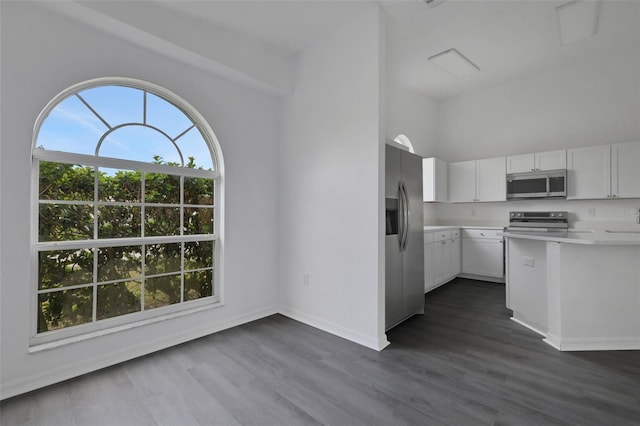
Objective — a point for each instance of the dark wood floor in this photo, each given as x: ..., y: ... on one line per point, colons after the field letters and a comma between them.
x: 462, y: 363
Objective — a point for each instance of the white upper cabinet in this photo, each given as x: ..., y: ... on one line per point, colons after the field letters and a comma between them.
x: 625, y: 170
x: 539, y: 161
x: 491, y: 179
x: 478, y: 180
x: 604, y: 171
x: 589, y: 172
x: 462, y: 181
x: 434, y: 180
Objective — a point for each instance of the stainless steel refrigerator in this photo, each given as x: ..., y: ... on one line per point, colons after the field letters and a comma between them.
x: 404, y: 241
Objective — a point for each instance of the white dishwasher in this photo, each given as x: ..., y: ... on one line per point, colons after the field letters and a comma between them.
x: 483, y: 254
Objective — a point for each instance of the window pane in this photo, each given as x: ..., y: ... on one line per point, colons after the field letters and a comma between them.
x: 115, y: 104
x: 192, y: 145
x: 166, y: 116
x: 65, y: 268
x: 69, y: 182
x: 162, y: 258
x: 161, y: 188
x: 198, y: 284
x: 116, y: 263
x: 64, y: 308
x: 198, y: 254
x: 198, y: 191
x: 118, y: 299
x: 119, y: 185
x: 71, y: 127
x: 198, y: 220
x: 118, y: 221
x: 161, y: 291
x: 162, y: 221
x: 140, y: 143
x: 63, y: 222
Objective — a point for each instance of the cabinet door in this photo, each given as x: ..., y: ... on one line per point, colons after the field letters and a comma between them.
x: 462, y: 181
x: 551, y: 160
x: 482, y: 257
x: 442, y: 193
x: 428, y: 179
x: 491, y: 179
x: 520, y: 163
x: 625, y: 170
x: 429, y: 275
x: 434, y: 180
x: 589, y: 172
x: 441, y: 261
x: 455, y: 256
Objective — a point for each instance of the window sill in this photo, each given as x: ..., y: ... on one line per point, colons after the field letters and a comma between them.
x: 41, y: 347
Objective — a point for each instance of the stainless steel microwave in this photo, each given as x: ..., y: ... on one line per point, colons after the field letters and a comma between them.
x: 548, y: 184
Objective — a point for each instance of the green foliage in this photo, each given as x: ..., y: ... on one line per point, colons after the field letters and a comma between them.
x: 60, y: 269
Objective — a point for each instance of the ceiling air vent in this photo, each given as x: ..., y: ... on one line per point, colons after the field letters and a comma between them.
x: 433, y: 3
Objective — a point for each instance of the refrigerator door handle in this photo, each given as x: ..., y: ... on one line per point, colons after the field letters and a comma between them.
x: 402, y: 224
x: 405, y: 217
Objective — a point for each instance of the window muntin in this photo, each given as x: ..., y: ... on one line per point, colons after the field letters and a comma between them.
x: 125, y: 215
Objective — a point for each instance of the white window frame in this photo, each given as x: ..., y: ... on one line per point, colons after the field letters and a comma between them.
x: 95, y: 328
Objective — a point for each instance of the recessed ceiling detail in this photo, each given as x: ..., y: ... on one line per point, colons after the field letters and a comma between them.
x: 433, y: 3
x: 455, y: 63
x: 578, y: 20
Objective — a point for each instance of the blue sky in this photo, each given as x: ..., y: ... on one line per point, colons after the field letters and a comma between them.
x: 73, y: 127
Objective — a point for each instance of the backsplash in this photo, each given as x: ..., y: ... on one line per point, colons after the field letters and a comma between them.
x: 620, y: 214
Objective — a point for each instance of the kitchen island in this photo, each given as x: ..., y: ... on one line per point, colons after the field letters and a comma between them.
x: 579, y: 289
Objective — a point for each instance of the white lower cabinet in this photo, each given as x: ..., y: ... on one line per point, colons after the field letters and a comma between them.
x: 482, y: 253
x: 442, y: 257
x: 429, y: 276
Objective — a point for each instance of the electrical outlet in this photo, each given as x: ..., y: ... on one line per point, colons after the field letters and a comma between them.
x: 528, y: 261
x: 591, y: 212
x: 306, y: 279
x: 473, y: 212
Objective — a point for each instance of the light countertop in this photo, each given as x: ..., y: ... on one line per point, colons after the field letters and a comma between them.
x: 444, y: 227
x: 581, y: 236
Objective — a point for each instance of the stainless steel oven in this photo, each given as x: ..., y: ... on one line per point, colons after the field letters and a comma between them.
x: 556, y: 221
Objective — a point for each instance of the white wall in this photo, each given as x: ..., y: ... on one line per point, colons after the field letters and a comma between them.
x: 330, y: 186
x: 42, y: 54
x: 591, y: 102
x: 619, y: 214
x: 413, y: 114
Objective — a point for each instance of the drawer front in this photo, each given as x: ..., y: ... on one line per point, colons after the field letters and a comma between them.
x: 442, y: 235
x: 492, y: 234
x: 428, y: 237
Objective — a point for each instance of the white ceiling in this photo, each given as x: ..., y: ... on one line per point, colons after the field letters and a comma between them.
x: 291, y: 24
x: 505, y: 38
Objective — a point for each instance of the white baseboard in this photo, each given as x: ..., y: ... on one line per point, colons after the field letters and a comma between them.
x: 376, y: 344
x: 552, y: 340
x: 39, y: 380
x: 499, y: 280
x: 594, y: 343
x: 530, y: 327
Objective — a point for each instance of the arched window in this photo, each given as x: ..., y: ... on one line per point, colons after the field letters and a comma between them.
x: 127, y: 208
